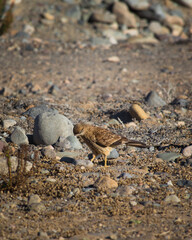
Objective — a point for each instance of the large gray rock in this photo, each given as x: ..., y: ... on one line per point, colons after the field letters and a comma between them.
x: 35, y: 111
x: 49, y: 127
x: 18, y: 136
x: 154, y: 100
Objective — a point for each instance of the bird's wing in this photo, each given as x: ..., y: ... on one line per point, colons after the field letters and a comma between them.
x: 105, y: 138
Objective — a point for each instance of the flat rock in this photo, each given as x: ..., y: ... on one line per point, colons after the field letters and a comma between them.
x: 172, y: 199
x: 154, y: 100
x: 8, y: 123
x: 85, y: 163
x: 103, y: 17
x: 34, y: 198
x: 49, y: 127
x: 125, y: 190
x: 71, y: 142
x: 105, y: 183
x: 19, y: 137
x: 49, y: 152
x: 168, y: 156
x: 35, y: 111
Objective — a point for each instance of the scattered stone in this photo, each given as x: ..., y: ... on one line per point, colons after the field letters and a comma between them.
x: 85, y: 163
x: 29, y: 29
x: 124, y: 191
x: 99, y: 41
x: 182, y: 102
x: 49, y: 127
x: 48, y: 16
x: 158, y: 29
x: 113, y: 154
x: 114, y: 35
x: 174, y: 20
x: 5, y: 91
x: 67, y: 154
x: 49, y: 152
x: 105, y: 183
x: 131, y: 125
x: 172, y: 199
x: 73, y: 12
x: 187, y: 151
x: 19, y: 137
x: 113, y: 122
x: 35, y: 111
x: 127, y: 175
x: 42, y: 236
x: 137, y: 112
x: 71, y: 142
x: 50, y: 179
x: 37, y: 207
x: 54, y: 90
x: 123, y: 15
x: 8, y: 123
x: 154, y: 100
x: 34, y: 199
x: 168, y: 156
x: 103, y: 17
x: 138, y: 5
x: 114, y: 59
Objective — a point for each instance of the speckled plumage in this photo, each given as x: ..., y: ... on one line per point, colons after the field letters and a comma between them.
x: 101, y: 140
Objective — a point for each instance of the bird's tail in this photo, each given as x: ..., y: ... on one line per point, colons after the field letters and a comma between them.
x: 136, y: 144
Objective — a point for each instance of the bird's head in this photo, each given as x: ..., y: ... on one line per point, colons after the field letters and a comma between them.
x: 78, y: 129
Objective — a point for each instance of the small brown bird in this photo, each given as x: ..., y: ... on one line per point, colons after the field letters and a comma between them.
x: 101, y: 141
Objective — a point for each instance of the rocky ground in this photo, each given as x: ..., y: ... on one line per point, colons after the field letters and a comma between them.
x: 57, y: 61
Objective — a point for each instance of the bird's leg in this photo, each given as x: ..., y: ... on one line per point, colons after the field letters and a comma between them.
x: 93, y: 158
x: 105, y: 159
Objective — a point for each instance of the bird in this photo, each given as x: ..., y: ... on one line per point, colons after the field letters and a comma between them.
x: 101, y: 140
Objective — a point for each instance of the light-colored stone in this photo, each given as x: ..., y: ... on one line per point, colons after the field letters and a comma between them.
x: 105, y: 183
x: 123, y: 15
x: 19, y: 137
x: 187, y: 151
x: 137, y: 112
x: 172, y: 199
x: 9, y: 123
x: 158, y: 29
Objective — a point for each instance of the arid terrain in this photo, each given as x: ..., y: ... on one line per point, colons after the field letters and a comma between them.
x: 142, y: 194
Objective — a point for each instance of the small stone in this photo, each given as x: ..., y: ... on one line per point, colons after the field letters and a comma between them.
x: 131, y: 125
x: 113, y: 122
x: 19, y: 137
x: 54, y: 90
x: 154, y: 100
x: 168, y: 156
x: 113, y: 154
x: 158, y: 29
x: 171, y: 20
x: 37, y: 207
x: 85, y: 163
x: 34, y: 198
x: 105, y: 183
x: 49, y: 179
x: 187, y: 3
x: 127, y: 176
x: 176, y: 30
x: 49, y: 127
x: 2, y: 145
x: 71, y: 142
x: 5, y: 91
x: 138, y: 5
x: 114, y: 59
x: 172, y: 199
x: 137, y: 112
x: 29, y: 29
x: 123, y: 15
x: 48, y: 16
x: 73, y: 12
x: 124, y: 191
x: 49, y: 152
x: 8, y: 123
x: 133, y: 203
x: 42, y: 236
x: 103, y: 17
x: 187, y: 151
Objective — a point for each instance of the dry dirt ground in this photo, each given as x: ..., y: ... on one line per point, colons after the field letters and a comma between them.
x: 90, y: 88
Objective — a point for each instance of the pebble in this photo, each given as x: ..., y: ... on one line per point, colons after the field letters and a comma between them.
x: 168, y: 156
x: 156, y: 28
x: 49, y: 152
x: 49, y: 179
x: 42, y: 236
x: 5, y: 91
x: 85, y: 163
x: 67, y: 154
x: 105, y: 183
x: 34, y: 198
x: 138, y: 5
x: 35, y: 111
x: 180, y: 102
x: 124, y: 191
x: 123, y: 15
x: 8, y: 123
x: 137, y: 112
x: 49, y: 127
x: 29, y: 29
x: 54, y: 90
x: 172, y: 199
x: 102, y: 16
x: 187, y: 151
x: 154, y: 100
x: 113, y: 154
x: 2, y: 145
x: 37, y: 207
x: 19, y: 137
x: 73, y: 12
x: 113, y: 59
x: 187, y: 3
x: 71, y: 142
x: 127, y: 176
